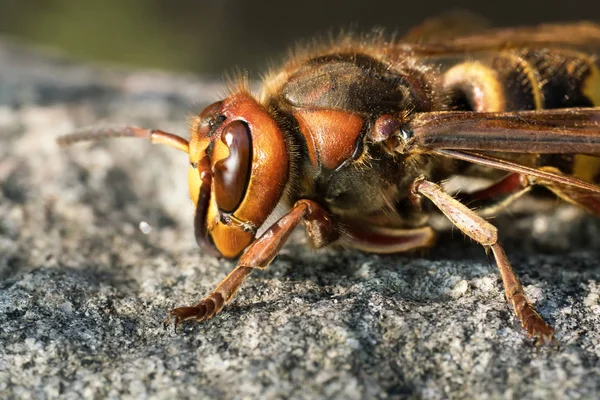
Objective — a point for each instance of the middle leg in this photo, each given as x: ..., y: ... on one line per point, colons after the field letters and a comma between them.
x: 478, y: 229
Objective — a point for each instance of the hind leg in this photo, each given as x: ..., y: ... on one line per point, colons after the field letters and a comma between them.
x: 499, y: 195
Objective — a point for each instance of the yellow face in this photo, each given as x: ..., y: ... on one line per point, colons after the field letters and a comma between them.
x: 238, y: 172
x: 194, y: 183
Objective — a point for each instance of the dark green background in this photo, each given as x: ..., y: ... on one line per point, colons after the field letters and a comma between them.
x: 208, y: 37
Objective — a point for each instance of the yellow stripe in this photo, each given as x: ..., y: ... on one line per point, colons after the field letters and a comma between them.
x: 586, y: 167
x: 591, y: 85
x: 484, y: 78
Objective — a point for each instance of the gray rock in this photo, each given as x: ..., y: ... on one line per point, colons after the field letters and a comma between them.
x: 83, y: 292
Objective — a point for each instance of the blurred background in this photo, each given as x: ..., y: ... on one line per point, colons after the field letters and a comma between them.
x: 208, y: 36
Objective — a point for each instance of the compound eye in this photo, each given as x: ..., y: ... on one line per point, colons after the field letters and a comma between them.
x: 232, y: 168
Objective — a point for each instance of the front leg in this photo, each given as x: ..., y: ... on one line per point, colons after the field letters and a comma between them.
x: 321, y: 229
x: 486, y: 234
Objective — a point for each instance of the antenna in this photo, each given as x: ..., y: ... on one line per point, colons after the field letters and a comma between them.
x: 96, y: 133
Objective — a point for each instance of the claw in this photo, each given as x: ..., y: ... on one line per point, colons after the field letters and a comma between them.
x: 531, y: 321
x: 167, y: 322
x: 541, y: 332
x: 178, y: 315
x: 206, y: 309
x: 545, y: 339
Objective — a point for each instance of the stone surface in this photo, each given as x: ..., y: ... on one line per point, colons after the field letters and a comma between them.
x: 83, y: 292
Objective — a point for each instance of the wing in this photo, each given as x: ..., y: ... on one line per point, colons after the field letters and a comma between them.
x: 584, y: 35
x: 556, y: 131
x: 504, y: 165
x: 463, y: 135
x: 453, y: 24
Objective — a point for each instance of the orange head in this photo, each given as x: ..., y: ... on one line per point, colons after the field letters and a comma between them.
x: 239, y: 167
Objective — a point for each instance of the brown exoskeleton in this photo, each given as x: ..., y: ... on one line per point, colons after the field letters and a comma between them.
x: 354, y: 137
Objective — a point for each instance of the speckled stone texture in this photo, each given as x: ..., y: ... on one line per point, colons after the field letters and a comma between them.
x: 83, y: 292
